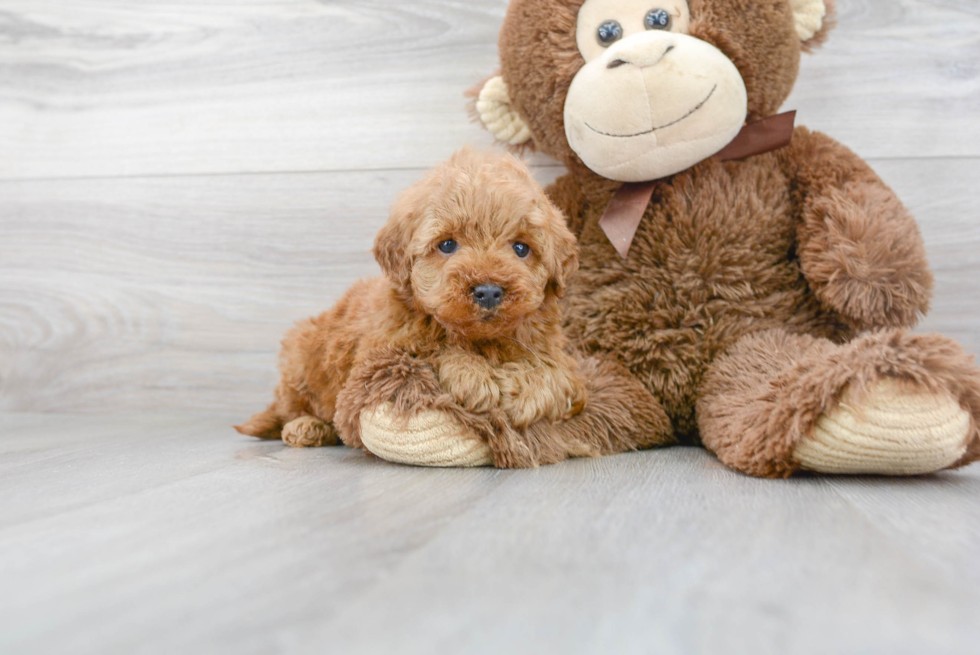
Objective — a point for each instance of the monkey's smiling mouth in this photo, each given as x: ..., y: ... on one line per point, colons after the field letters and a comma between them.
x: 659, y: 127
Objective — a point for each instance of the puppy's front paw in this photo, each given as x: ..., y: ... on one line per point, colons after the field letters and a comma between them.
x: 576, y: 400
x: 523, y: 402
x: 470, y: 382
x: 308, y: 432
x: 519, y: 412
x: 541, y: 393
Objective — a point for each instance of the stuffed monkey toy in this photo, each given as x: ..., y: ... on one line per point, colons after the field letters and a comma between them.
x: 759, y: 280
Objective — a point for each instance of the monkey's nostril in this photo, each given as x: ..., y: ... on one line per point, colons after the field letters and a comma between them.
x: 488, y: 296
x: 669, y: 48
x: 616, y: 63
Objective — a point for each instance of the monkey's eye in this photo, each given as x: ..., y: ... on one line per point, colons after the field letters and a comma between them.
x: 448, y: 246
x: 522, y: 249
x: 608, y: 33
x: 657, y: 19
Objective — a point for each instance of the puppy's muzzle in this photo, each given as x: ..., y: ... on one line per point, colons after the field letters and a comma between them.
x: 487, y: 296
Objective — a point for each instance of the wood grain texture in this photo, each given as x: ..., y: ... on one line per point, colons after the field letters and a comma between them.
x: 160, y: 534
x: 109, y: 87
x: 179, y: 241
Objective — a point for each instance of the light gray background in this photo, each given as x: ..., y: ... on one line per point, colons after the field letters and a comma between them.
x: 180, y: 180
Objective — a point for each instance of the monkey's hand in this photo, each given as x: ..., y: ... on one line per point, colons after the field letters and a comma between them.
x: 859, y: 248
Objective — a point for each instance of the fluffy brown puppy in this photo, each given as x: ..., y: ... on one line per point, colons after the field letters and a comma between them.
x: 475, y: 259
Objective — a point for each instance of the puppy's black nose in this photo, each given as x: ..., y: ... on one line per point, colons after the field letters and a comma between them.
x: 488, y: 296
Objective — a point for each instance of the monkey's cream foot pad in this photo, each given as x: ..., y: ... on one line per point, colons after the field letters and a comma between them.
x: 429, y: 438
x: 896, y: 429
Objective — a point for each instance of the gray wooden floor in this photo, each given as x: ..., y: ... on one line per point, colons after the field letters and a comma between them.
x: 159, y: 534
x: 180, y: 180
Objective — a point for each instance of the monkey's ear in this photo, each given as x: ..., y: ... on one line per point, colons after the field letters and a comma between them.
x: 495, y: 112
x: 814, y: 19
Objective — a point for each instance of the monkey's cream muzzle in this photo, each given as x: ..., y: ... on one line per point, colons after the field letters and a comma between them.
x: 654, y: 104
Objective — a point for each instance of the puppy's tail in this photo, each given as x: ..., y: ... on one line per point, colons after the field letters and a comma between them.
x: 264, y: 425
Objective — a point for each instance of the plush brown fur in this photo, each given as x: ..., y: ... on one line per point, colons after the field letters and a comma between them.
x: 733, y: 259
x: 417, y: 336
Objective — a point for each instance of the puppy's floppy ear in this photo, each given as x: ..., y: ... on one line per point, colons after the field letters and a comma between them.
x: 563, y: 256
x: 392, y: 245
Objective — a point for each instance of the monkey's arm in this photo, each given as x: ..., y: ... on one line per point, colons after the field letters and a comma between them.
x: 859, y: 248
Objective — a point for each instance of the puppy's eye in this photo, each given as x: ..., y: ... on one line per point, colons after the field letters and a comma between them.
x: 448, y: 246
x: 657, y: 19
x: 608, y: 33
x: 522, y: 249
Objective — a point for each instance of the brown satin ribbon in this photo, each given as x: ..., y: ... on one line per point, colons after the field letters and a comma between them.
x: 624, y: 213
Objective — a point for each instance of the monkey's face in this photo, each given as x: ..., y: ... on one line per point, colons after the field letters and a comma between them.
x: 650, y: 100
x: 640, y: 89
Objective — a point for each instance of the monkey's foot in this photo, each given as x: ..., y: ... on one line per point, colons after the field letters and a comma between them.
x: 308, y: 432
x: 429, y: 438
x: 893, y: 429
